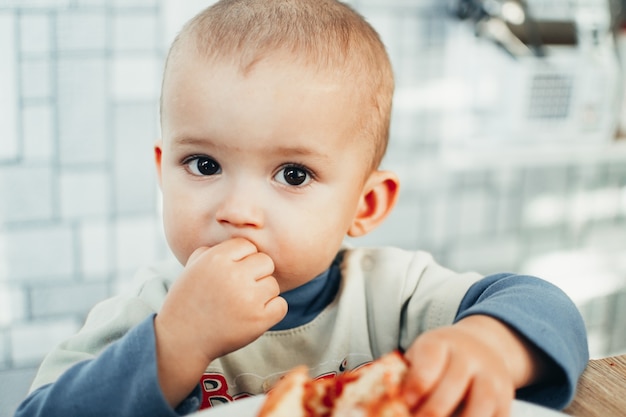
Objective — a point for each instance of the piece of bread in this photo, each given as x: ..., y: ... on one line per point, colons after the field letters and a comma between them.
x: 373, y: 390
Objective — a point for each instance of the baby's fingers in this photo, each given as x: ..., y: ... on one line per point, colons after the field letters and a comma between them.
x: 448, y: 393
x: 276, y: 309
x: 487, y: 398
x: 428, y: 360
x: 464, y: 389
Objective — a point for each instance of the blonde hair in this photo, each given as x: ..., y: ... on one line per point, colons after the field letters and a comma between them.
x: 325, y: 35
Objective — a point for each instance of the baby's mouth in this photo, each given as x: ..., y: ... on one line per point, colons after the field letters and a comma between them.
x: 236, y: 236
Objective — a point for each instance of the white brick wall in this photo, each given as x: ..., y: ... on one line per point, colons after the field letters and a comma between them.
x: 8, y: 78
x: 96, y: 250
x: 35, y: 79
x: 29, y: 342
x: 83, y: 126
x: 136, y: 32
x: 39, y: 253
x: 36, y: 204
x: 4, y: 351
x: 13, y: 305
x: 78, y: 198
x: 135, y: 78
x: 84, y: 193
x: 135, y: 132
x: 35, y: 31
x: 81, y: 30
x: 38, y: 126
x: 53, y: 300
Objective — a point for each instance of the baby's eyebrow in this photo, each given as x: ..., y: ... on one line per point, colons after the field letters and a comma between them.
x: 285, y: 151
x: 299, y: 151
x: 189, y: 140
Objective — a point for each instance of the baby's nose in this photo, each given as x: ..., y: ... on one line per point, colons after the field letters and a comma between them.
x: 241, y: 208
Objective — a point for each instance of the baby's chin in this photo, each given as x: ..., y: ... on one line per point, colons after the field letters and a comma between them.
x: 294, y: 279
x: 289, y: 283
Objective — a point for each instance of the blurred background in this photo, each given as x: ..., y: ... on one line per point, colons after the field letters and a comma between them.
x: 507, y: 134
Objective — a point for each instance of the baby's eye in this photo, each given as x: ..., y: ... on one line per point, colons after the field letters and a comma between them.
x: 203, y: 166
x: 293, y: 175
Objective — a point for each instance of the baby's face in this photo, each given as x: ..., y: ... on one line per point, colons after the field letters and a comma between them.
x: 272, y: 156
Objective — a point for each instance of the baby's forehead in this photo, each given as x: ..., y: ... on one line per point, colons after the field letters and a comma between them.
x: 244, y: 58
x: 235, y: 68
x: 273, y: 80
x: 354, y: 81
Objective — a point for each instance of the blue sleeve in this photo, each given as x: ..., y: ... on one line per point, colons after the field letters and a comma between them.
x: 547, y: 317
x: 121, y: 381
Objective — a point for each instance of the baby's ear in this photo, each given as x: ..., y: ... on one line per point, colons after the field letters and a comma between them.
x: 158, y: 154
x: 378, y: 198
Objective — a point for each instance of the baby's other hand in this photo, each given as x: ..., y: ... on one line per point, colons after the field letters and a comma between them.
x: 225, y: 298
x: 454, y: 369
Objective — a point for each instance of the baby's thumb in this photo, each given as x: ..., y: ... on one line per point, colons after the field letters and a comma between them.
x: 276, y: 309
x: 196, y: 254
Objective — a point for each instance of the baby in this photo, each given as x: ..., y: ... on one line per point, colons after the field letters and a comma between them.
x: 275, y: 117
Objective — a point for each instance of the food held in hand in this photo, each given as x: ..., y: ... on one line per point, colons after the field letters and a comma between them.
x: 370, y: 391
